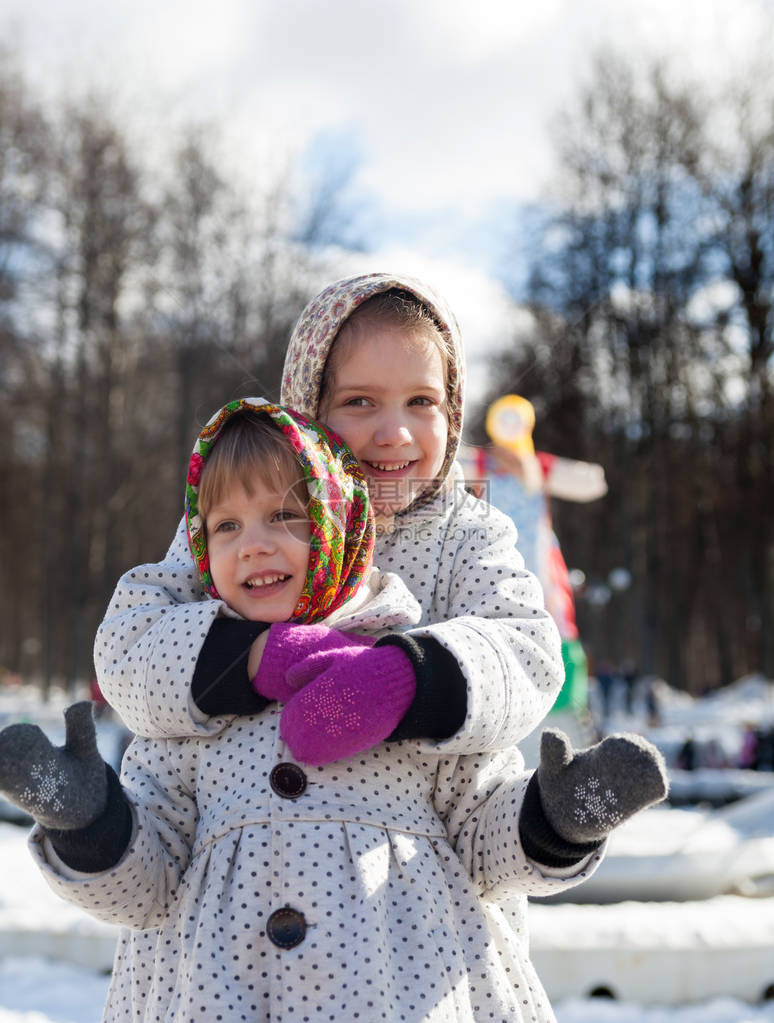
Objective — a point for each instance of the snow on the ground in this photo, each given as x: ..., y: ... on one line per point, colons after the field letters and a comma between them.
x: 598, y: 1010
x: 670, y: 854
x: 42, y: 991
x: 717, y: 719
x: 728, y: 921
x: 27, y: 904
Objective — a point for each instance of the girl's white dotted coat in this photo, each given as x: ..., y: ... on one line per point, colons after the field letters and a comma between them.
x: 256, y: 888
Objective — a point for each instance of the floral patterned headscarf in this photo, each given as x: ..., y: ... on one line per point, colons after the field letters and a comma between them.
x: 342, y: 524
x: 316, y: 330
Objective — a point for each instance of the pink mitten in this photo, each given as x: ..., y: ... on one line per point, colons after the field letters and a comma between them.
x: 354, y: 704
x: 288, y: 644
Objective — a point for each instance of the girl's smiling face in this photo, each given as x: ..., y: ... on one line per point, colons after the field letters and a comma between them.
x: 258, y: 543
x: 386, y: 397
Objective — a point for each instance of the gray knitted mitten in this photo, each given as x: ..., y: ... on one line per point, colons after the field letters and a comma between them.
x: 585, y: 794
x: 62, y: 787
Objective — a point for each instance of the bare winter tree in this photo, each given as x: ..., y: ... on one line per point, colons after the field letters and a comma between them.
x: 632, y: 362
x: 132, y: 304
x: 100, y: 222
x: 734, y: 167
x: 23, y: 183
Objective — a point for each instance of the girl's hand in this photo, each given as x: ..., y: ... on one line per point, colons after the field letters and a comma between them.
x: 349, y: 701
x: 585, y: 794
x: 284, y: 646
x: 61, y: 787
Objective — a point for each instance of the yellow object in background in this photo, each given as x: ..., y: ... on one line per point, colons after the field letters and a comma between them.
x: 510, y: 421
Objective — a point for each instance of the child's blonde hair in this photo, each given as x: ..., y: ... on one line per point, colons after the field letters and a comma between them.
x: 392, y: 308
x: 250, y: 446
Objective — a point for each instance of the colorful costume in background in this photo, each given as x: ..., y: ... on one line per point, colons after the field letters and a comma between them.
x: 524, y: 496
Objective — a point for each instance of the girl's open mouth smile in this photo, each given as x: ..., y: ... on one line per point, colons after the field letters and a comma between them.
x: 391, y: 469
x: 266, y: 585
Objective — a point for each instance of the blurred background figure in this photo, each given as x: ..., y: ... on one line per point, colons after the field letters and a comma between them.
x: 521, y: 481
x: 605, y: 675
x: 686, y: 758
x: 748, y: 755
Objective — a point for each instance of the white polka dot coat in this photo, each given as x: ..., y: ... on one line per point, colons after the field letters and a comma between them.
x: 255, y: 888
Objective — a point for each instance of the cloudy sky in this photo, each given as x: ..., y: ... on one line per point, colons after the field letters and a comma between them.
x: 440, y: 106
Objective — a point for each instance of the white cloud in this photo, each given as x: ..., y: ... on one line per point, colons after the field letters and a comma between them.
x: 449, y: 100
x: 446, y: 101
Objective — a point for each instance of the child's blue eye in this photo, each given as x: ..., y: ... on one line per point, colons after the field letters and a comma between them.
x: 290, y: 515
x: 225, y: 527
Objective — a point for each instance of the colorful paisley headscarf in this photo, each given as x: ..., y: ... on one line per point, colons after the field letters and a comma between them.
x: 316, y: 331
x: 342, y: 524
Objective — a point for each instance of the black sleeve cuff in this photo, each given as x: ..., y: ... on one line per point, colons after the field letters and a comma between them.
x: 101, y: 844
x: 440, y: 704
x: 541, y: 843
x: 220, y: 684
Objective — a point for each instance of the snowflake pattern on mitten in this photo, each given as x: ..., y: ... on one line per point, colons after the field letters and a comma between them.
x: 596, y: 806
x: 586, y: 793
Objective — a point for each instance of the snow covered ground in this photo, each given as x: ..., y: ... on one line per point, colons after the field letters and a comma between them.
x: 707, y: 961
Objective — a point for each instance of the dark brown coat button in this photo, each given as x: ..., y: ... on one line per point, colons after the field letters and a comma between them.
x: 286, y: 928
x: 288, y: 780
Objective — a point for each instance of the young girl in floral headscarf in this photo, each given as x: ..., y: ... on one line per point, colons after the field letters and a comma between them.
x: 253, y: 887
x: 309, y: 561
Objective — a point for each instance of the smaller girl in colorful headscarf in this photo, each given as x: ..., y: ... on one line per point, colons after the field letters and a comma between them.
x: 277, y: 514
x: 281, y: 530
